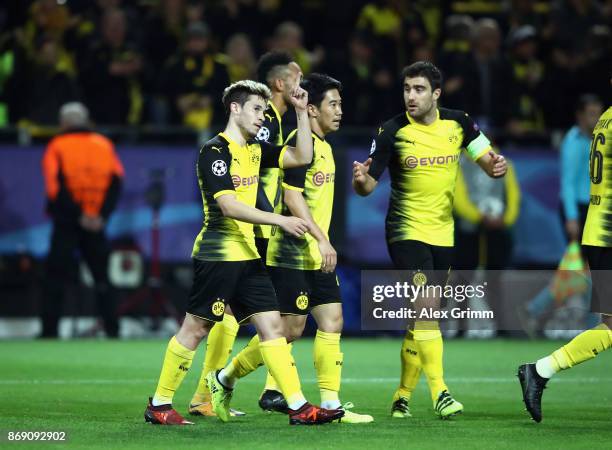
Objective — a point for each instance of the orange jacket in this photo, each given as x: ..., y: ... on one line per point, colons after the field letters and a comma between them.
x: 82, y: 175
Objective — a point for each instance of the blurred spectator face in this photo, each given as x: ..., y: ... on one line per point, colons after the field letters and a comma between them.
x: 250, y: 116
x: 113, y: 27
x: 487, y: 37
x: 289, y: 36
x: 239, y: 49
x: 48, y: 54
x: 589, y: 115
x: 525, y: 50
x: 196, y: 45
x: 360, y: 50
x: 194, y: 12
x: 329, y: 113
x: 418, y: 97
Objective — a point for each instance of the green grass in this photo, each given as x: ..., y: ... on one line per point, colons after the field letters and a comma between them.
x: 97, y: 391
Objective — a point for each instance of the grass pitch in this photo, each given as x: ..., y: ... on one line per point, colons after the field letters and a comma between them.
x: 96, y: 391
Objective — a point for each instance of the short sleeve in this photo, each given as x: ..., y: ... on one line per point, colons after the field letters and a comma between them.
x: 295, y: 178
x: 474, y: 141
x: 271, y: 155
x: 380, y: 152
x: 213, y: 169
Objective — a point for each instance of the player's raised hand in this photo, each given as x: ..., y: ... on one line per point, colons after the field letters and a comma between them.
x: 328, y: 255
x: 299, y: 98
x: 499, y: 164
x: 361, y: 170
x: 293, y: 225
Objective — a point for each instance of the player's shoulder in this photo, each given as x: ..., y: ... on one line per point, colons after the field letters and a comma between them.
x: 391, y: 126
x: 217, y: 144
x: 454, y: 114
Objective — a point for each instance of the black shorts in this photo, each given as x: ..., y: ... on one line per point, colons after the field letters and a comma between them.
x: 600, y: 265
x: 262, y: 248
x: 245, y: 285
x: 417, y: 255
x: 299, y: 291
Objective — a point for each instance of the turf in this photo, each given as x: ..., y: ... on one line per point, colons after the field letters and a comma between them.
x: 96, y: 391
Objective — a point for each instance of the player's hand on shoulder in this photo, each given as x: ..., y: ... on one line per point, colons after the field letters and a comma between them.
x: 360, y: 170
x: 293, y: 225
x: 328, y: 255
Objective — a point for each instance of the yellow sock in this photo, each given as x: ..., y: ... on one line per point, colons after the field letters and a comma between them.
x: 587, y: 345
x: 428, y: 339
x: 177, y: 362
x: 218, y: 349
x: 246, y: 361
x: 411, y: 367
x: 281, y: 365
x: 271, y: 384
x: 328, y: 364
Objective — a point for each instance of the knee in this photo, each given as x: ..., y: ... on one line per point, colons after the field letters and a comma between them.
x: 332, y: 324
x: 195, y: 329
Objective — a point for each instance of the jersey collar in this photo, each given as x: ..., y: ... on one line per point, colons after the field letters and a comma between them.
x: 413, y: 122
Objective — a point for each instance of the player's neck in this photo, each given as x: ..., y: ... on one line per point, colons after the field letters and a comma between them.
x: 233, y: 131
x: 279, y: 102
x: 316, y: 129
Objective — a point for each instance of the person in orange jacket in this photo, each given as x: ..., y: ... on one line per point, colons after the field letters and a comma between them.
x: 83, y: 178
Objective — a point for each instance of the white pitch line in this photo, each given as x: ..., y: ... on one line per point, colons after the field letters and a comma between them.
x: 459, y: 380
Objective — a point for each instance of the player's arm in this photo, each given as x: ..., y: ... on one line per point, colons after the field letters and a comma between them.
x: 214, y: 169
x: 479, y: 148
x: 293, y: 186
x: 232, y: 208
x: 301, y: 154
x: 366, y: 175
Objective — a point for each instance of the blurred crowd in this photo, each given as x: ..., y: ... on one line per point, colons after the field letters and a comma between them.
x: 518, y: 66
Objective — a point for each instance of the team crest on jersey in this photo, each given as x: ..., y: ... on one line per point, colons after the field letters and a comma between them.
x: 218, y: 308
x: 302, y: 301
x: 255, y: 158
x: 263, y: 134
x: 419, y: 279
x: 219, y: 167
x: 453, y: 139
x: 373, y: 147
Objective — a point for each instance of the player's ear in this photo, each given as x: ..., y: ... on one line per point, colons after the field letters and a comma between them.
x: 313, y: 111
x: 279, y: 84
x: 436, y: 93
x: 235, y: 108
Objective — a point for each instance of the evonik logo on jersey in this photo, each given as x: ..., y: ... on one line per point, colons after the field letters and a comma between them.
x: 319, y: 178
x: 244, y: 181
x: 411, y: 162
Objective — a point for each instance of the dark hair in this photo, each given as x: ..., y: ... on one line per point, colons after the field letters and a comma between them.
x: 424, y: 69
x: 240, y: 91
x: 317, y: 84
x: 269, y: 63
x: 587, y: 99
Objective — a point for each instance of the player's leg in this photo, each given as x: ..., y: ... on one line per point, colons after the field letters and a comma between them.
x: 587, y: 345
x: 96, y: 253
x: 219, y: 344
x: 59, y: 266
x: 256, y: 301
x: 213, y: 283
x: 408, y: 255
x: 292, y: 291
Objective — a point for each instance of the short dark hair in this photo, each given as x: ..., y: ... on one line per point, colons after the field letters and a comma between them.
x: 269, y: 64
x: 424, y: 69
x: 317, y: 84
x: 240, y: 91
x: 587, y: 99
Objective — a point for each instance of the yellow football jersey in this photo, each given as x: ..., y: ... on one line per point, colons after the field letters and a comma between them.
x: 598, y: 226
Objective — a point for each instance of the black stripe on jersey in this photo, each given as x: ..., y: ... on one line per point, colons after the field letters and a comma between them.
x: 383, y: 144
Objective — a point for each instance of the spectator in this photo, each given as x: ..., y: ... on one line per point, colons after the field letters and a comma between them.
x: 575, y: 179
x: 193, y: 77
x: 83, y: 180
x: 527, y: 88
x: 241, y: 61
x: 382, y: 19
x: 289, y: 37
x: 45, y: 86
x: 486, y: 85
x: 110, y: 74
